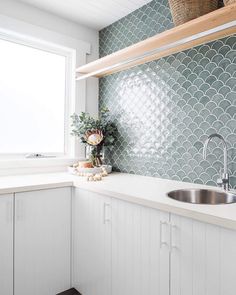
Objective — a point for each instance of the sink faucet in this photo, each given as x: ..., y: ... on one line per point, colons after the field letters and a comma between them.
x: 224, y: 180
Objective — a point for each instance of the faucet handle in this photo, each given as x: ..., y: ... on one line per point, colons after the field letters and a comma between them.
x: 223, y: 180
x: 219, y: 182
x: 220, y: 179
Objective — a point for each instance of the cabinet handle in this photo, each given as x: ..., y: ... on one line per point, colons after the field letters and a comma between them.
x: 105, y: 209
x: 172, y: 243
x: 163, y: 242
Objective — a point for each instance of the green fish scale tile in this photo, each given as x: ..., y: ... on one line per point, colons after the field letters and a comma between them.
x: 165, y: 109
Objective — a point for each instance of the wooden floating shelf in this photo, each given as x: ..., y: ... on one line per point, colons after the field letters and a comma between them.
x: 212, y: 26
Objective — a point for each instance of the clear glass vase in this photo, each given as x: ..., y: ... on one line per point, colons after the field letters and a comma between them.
x: 95, y: 154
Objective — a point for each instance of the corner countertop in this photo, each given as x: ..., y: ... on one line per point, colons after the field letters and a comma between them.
x: 142, y: 190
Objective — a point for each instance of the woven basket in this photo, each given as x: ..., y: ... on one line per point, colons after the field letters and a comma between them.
x: 228, y: 2
x: 185, y: 10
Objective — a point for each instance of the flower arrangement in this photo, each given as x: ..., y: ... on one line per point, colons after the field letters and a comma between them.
x: 96, y: 133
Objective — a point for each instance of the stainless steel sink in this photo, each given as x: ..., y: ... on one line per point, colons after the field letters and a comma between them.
x: 203, y: 196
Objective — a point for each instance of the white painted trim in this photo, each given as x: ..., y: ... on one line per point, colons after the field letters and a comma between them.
x: 38, y: 33
x: 76, y: 51
x: 26, y: 163
x: 28, y: 166
x: 69, y: 55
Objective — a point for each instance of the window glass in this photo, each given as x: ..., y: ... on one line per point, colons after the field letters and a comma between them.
x: 32, y: 100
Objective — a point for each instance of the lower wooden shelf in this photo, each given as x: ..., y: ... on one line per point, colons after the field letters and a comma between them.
x: 212, y: 26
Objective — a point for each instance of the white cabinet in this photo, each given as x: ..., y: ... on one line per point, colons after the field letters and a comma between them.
x: 121, y: 248
x: 6, y: 244
x: 42, y: 242
x: 203, y: 259
x: 140, y: 253
x: 92, y: 243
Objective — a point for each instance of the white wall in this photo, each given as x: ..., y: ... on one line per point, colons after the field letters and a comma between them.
x: 36, y: 17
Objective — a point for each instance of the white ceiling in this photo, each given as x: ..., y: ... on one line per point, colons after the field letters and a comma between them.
x: 96, y: 14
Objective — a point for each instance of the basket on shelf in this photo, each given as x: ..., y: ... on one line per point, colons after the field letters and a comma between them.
x: 228, y: 2
x: 185, y: 10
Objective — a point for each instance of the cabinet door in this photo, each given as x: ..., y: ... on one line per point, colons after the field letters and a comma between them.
x: 203, y: 259
x: 42, y: 241
x: 92, y: 243
x: 6, y: 244
x: 140, y: 252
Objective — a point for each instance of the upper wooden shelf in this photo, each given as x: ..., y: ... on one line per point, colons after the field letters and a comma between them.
x: 212, y: 26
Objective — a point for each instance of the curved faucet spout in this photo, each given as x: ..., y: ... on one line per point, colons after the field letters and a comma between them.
x: 224, y: 182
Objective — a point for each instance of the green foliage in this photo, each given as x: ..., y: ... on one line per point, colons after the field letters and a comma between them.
x: 84, y: 122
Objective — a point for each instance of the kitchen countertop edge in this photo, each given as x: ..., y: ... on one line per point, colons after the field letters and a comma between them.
x: 220, y: 215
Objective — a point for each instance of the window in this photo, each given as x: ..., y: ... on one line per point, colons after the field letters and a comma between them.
x: 33, y: 99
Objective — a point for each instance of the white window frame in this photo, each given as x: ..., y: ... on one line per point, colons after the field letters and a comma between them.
x: 69, y: 55
x: 78, y: 50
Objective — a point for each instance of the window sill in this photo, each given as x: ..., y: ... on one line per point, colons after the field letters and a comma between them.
x: 28, y: 166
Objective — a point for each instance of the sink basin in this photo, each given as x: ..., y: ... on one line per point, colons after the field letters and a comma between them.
x: 202, y: 196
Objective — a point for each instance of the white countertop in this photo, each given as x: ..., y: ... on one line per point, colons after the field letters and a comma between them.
x: 22, y: 183
x: 142, y: 190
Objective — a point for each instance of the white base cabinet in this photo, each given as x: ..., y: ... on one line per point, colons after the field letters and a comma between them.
x: 42, y: 242
x: 203, y: 259
x: 92, y: 243
x: 119, y: 248
x: 122, y: 248
x: 6, y: 245
x: 140, y: 256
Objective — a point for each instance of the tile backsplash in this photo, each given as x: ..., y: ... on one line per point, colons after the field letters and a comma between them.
x: 165, y: 109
